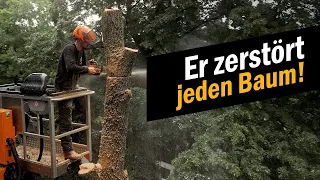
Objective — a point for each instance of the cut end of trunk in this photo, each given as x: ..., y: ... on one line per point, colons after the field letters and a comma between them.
x: 132, y: 50
x: 86, y: 168
x: 112, y: 9
x: 125, y: 175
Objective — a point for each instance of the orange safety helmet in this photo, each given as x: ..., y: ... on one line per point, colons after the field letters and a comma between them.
x: 85, y: 34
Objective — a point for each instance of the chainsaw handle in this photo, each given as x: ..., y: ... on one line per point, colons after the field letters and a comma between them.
x: 92, y: 62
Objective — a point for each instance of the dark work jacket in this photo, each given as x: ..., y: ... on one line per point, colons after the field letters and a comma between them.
x: 72, y: 63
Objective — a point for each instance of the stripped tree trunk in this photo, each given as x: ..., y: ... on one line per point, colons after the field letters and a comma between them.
x: 119, y: 61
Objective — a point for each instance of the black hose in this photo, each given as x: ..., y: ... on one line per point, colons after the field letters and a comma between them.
x: 41, y: 139
x: 10, y: 142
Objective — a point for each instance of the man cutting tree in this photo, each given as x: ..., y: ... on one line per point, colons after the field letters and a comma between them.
x: 72, y: 64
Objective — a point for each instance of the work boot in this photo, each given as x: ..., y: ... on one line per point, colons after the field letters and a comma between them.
x: 72, y: 155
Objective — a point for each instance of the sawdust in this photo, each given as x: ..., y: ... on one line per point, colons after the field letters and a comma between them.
x: 139, y: 78
x: 33, y: 153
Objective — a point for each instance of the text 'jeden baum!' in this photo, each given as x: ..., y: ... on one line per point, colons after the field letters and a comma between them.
x: 266, y: 56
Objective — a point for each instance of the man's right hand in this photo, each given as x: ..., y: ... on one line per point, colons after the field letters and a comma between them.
x: 93, y: 70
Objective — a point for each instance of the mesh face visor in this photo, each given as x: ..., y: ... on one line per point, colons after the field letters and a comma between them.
x: 91, y: 38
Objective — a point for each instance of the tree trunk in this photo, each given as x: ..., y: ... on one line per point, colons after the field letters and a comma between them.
x: 119, y: 62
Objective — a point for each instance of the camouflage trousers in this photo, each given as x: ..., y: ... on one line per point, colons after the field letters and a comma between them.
x: 73, y: 110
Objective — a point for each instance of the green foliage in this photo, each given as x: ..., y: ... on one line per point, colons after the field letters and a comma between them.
x: 261, y: 140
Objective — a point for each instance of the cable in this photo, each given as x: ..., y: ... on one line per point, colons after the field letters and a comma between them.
x: 41, y: 139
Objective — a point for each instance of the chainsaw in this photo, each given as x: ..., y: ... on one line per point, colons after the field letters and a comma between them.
x: 93, y: 63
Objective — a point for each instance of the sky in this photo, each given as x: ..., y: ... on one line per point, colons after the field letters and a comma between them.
x: 91, y: 19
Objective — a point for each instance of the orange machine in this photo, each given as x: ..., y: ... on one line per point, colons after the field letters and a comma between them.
x: 7, y: 140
